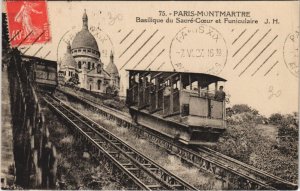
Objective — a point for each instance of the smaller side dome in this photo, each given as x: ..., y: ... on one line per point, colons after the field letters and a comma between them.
x: 111, y: 67
x: 68, y: 59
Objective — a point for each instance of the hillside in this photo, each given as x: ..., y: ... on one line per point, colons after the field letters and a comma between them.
x: 268, y: 144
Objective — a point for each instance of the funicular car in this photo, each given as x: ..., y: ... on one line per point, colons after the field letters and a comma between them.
x: 43, y: 72
x: 181, y: 105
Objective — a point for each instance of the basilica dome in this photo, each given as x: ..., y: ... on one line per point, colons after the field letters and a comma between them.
x: 84, y: 40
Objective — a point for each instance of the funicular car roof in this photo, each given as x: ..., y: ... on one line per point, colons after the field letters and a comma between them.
x: 194, y: 75
x: 40, y: 60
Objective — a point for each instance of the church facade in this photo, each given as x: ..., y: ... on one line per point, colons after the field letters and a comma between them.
x: 82, y: 61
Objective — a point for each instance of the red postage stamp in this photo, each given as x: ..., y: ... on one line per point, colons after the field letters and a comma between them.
x: 27, y: 22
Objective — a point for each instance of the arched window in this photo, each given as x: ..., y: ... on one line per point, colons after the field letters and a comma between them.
x: 89, y: 65
x: 99, y: 84
x: 93, y: 65
x: 99, y: 69
x: 79, y: 65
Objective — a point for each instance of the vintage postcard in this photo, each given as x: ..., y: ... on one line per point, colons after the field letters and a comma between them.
x: 150, y: 95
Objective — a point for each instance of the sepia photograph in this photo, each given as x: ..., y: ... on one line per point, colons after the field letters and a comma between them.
x: 150, y: 95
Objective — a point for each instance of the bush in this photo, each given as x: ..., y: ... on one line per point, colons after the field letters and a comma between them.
x: 273, y: 161
x: 246, y: 117
x: 244, y: 143
x: 112, y: 103
x: 288, y: 132
x: 241, y: 113
x: 275, y: 118
x: 243, y: 140
x: 243, y: 108
x: 239, y: 141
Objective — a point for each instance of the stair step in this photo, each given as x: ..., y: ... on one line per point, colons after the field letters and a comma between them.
x: 113, y: 153
x: 154, y: 186
x: 133, y: 169
x: 127, y: 164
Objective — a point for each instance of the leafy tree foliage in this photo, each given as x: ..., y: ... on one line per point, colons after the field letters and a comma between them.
x: 245, y: 141
x: 288, y: 132
x: 74, y: 79
x: 113, y: 90
x: 239, y: 141
x: 242, y: 108
x: 276, y: 118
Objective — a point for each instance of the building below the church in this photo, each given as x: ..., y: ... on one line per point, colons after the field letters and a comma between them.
x: 82, y: 66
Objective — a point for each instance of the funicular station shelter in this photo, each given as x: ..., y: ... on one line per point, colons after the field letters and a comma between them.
x: 177, y: 104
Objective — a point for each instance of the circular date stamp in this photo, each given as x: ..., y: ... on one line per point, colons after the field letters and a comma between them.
x: 198, y: 49
x: 291, y: 52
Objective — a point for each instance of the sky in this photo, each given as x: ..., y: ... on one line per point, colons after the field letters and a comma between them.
x: 232, y: 51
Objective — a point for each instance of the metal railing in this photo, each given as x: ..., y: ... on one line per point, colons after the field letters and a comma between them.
x: 35, y: 155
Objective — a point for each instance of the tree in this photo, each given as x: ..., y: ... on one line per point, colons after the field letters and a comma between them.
x: 74, y: 80
x: 239, y: 141
x: 241, y: 108
x: 243, y: 141
x: 229, y: 111
x: 276, y: 118
x: 111, y: 89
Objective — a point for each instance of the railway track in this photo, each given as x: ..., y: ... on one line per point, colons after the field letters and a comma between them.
x: 122, y: 159
x: 237, y: 174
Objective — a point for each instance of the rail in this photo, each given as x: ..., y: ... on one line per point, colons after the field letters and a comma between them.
x: 141, y: 170
x: 237, y: 174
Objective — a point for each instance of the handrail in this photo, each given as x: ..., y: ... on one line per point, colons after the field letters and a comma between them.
x: 29, y: 129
